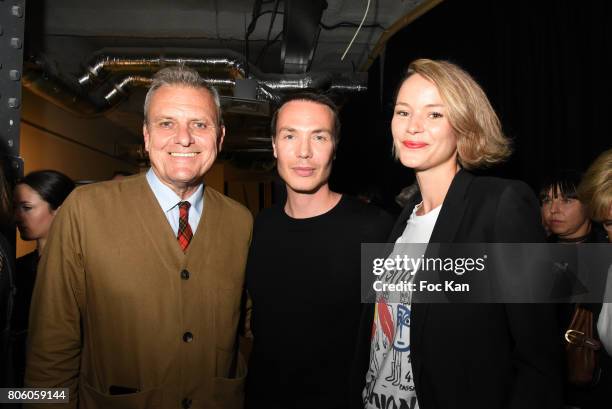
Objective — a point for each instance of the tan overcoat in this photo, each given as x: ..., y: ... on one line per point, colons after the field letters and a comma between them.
x: 118, y: 307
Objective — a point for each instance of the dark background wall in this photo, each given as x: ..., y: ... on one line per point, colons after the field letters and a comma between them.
x: 545, y: 66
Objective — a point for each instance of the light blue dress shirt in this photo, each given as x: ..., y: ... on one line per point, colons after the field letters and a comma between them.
x: 168, y: 200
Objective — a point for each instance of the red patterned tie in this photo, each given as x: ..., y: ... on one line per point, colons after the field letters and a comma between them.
x: 184, y: 231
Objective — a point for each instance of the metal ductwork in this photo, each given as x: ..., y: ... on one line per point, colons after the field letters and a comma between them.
x: 121, y: 85
x: 56, y: 92
x: 96, y: 103
x: 268, y: 89
x: 335, y: 82
x: 109, y: 78
x: 142, y: 61
x: 120, y: 88
x: 300, y: 34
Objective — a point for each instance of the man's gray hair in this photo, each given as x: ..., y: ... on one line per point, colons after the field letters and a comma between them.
x: 180, y: 75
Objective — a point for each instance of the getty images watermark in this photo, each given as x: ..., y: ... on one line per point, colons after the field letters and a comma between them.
x: 486, y: 273
x: 389, y: 270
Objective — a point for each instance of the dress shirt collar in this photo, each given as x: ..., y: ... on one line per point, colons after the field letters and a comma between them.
x: 168, y: 199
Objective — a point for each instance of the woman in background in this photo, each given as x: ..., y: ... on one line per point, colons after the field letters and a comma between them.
x: 595, y: 191
x: 455, y: 356
x: 565, y: 214
x: 36, y: 200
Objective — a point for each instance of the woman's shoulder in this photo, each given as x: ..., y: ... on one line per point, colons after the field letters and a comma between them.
x: 510, y: 206
x: 497, y: 183
x: 490, y: 186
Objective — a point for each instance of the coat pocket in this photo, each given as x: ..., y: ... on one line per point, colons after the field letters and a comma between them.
x: 229, y: 392
x: 91, y: 398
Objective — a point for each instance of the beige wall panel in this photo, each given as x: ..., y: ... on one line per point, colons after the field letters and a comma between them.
x: 42, y: 150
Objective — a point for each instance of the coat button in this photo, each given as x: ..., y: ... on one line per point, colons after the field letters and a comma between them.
x: 187, y: 336
x: 185, y: 275
x: 186, y: 403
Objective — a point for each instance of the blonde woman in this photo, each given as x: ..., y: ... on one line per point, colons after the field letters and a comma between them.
x: 595, y: 191
x: 447, y: 356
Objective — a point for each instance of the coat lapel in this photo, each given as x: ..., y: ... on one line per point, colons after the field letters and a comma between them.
x: 154, y: 222
x: 444, y: 231
x: 453, y: 208
x: 208, y: 226
x: 400, y: 224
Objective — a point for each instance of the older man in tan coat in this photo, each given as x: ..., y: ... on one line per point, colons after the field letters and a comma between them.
x: 138, y: 294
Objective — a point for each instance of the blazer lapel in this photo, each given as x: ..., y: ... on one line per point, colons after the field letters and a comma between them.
x: 444, y: 231
x: 453, y: 208
x: 450, y: 216
x: 400, y: 224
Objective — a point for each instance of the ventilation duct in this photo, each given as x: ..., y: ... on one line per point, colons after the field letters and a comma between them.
x: 109, y: 78
x: 143, y: 61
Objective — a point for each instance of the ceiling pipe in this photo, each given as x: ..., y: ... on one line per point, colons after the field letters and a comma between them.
x: 116, y: 75
x: 266, y: 93
x: 53, y: 90
x: 325, y: 81
x: 296, y: 82
x: 269, y: 89
x: 120, y: 87
x: 221, y: 64
x: 218, y: 63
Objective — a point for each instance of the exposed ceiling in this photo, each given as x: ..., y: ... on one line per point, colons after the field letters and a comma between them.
x: 96, y: 57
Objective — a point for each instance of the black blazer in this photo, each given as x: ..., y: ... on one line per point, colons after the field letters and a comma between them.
x: 469, y: 356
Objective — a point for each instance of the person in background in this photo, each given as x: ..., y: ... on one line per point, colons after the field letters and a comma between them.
x: 564, y: 213
x: 568, y: 221
x: 595, y: 191
x: 468, y: 355
x: 37, y: 198
x: 543, y: 213
x: 567, y: 216
x: 7, y: 288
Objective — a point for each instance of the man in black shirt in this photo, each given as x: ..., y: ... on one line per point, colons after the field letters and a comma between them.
x: 303, y: 271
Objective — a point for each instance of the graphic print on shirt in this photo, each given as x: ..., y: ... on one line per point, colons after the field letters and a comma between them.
x: 389, y: 381
x: 384, y: 329
x: 400, y: 344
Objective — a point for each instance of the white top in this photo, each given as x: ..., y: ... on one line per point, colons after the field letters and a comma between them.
x: 389, y: 376
x: 419, y: 228
x: 604, y: 323
x: 168, y: 200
